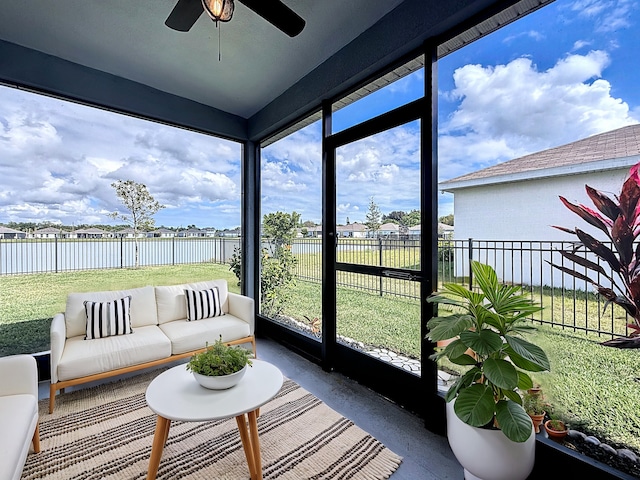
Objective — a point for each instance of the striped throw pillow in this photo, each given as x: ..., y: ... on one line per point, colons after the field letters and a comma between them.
x: 106, y: 319
x: 203, y: 304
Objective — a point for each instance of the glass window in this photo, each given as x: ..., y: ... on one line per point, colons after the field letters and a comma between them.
x: 291, y: 260
x: 59, y: 162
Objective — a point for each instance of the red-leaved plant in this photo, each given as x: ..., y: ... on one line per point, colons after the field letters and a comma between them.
x: 619, y: 219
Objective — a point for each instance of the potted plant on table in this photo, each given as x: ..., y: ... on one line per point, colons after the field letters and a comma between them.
x: 219, y: 366
x: 484, y: 406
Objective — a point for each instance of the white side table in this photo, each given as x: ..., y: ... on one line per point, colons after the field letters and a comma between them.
x: 176, y: 395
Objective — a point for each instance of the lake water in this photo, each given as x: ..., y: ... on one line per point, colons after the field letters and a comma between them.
x: 39, y: 256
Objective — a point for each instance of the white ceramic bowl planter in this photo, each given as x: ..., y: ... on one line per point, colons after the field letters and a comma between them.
x: 220, y: 382
x: 488, y: 454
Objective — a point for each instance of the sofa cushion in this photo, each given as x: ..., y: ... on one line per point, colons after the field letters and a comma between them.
x: 143, y: 312
x: 18, y: 418
x: 171, y: 299
x: 105, y: 319
x: 187, y: 336
x: 87, y: 357
x: 203, y: 303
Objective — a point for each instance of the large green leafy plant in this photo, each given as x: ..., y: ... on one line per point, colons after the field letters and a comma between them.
x: 619, y: 219
x: 488, y: 325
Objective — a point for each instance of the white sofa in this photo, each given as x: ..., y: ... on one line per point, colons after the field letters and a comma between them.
x: 161, y: 333
x: 18, y: 413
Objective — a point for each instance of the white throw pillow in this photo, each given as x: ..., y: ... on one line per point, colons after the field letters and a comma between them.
x: 203, y: 303
x: 106, y: 319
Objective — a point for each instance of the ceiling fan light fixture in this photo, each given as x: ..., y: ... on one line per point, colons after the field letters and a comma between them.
x: 219, y: 10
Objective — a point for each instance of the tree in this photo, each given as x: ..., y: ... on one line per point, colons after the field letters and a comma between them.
x: 141, y: 207
x: 280, y: 228
x: 447, y: 219
x: 373, y: 217
x: 394, y: 217
x: 411, y: 219
x: 277, y: 262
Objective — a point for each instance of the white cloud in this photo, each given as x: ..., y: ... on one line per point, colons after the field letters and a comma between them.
x: 58, y: 160
x: 578, y: 44
x: 532, y: 34
x: 607, y: 15
x: 507, y: 111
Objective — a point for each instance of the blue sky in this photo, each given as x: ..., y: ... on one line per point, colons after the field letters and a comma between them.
x: 560, y: 74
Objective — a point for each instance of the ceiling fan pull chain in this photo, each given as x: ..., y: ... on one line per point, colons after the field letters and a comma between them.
x: 218, y: 40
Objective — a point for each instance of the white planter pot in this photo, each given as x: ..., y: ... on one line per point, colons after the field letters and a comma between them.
x: 221, y: 382
x: 488, y: 454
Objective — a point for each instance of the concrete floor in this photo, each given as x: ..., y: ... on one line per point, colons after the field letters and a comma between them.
x: 426, y: 456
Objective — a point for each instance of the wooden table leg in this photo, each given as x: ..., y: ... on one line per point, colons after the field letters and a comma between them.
x: 255, y: 442
x: 241, y: 420
x: 159, y: 439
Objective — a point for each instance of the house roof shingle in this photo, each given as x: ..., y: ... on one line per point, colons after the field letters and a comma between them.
x: 621, y: 143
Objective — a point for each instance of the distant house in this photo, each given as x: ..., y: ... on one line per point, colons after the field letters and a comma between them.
x: 209, y: 232
x: 92, y: 233
x: 352, y: 230
x: 162, y: 233
x: 192, y: 232
x: 313, y: 232
x: 50, y: 232
x: 445, y: 231
x: 230, y: 233
x: 388, y: 230
x: 10, y: 233
x: 129, y: 233
x: 518, y: 200
x: 415, y: 232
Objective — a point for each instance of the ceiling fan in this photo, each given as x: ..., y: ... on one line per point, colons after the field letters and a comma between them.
x: 186, y: 12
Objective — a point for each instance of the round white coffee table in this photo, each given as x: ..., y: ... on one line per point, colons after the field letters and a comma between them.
x: 176, y: 395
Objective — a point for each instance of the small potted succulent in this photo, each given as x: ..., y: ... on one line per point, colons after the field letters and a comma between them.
x: 556, y: 429
x: 534, y: 404
x: 219, y: 366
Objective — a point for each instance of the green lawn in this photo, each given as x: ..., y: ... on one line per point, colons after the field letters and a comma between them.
x: 595, y: 388
x: 598, y: 385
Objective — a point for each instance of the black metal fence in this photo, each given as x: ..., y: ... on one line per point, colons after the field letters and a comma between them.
x: 569, y: 303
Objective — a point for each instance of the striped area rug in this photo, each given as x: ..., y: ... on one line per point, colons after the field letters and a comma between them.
x: 105, y: 432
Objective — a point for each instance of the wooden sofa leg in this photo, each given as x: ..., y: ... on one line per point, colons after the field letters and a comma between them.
x: 36, y: 439
x: 52, y: 397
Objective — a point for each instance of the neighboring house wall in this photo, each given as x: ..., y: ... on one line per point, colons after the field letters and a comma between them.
x: 524, y: 212
x: 514, y: 205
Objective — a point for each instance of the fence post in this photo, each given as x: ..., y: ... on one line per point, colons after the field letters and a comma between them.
x: 380, y: 247
x: 56, y: 252
x: 470, y: 260
x: 173, y: 250
x: 122, y: 252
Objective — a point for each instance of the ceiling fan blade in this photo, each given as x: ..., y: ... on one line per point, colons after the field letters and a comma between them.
x: 184, y: 15
x: 278, y: 14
